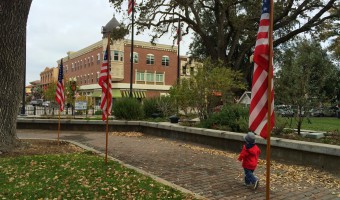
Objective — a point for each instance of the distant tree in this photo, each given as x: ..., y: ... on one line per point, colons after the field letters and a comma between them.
x: 305, y: 72
x: 200, y: 90
x: 37, y: 92
x: 13, y: 22
x: 50, y: 92
x: 183, y: 95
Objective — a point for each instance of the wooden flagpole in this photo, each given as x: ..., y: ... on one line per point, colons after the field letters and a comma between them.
x: 269, y: 90
x: 107, y: 91
x: 59, y: 127
x: 179, y: 35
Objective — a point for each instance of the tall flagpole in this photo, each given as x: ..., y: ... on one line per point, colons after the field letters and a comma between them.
x: 269, y: 90
x: 107, y: 93
x: 178, y: 44
x: 131, y: 56
x: 58, y: 127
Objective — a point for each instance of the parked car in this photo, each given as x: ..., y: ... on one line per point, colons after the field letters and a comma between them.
x: 324, y: 112
x: 37, y: 102
x: 330, y: 111
x: 285, y: 113
x: 316, y: 112
x: 46, y: 103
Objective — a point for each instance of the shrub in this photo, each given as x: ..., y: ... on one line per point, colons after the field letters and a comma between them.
x: 150, y: 107
x: 280, y: 125
x: 98, y: 112
x: 127, y: 108
x: 166, y: 106
x: 232, y: 117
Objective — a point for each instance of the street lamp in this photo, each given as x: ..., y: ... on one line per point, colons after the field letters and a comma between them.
x: 73, y: 87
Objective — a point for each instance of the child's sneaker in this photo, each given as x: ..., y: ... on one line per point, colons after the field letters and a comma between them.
x: 256, y: 185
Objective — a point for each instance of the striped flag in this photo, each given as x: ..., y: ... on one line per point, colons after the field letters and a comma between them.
x: 60, y: 96
x: 105, y: 83
x: 130, y: 8
x: 259, y: 94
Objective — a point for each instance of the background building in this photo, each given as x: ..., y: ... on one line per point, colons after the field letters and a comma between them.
x: 154, y: 71
x: 48, y: 76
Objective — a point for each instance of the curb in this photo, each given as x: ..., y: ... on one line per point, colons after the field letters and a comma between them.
x: 156, y: 178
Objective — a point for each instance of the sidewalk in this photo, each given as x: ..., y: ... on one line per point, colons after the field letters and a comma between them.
x: 212, y: 173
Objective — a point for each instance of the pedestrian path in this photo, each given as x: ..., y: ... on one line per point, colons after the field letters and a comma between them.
x: 209, y: 172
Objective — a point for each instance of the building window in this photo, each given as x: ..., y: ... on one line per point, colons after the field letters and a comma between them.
x: 135, y: 57
x: 160, y: 78
x: 184, y: 71
x: 121, y: 56
x: 116, y: 55
x: 98, y: 58
x: 140, y: 76
x: 150, y: 59
x: 149, y: 77
x: 165, y: 61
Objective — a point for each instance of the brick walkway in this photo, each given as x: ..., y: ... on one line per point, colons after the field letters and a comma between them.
x: 212, y: 173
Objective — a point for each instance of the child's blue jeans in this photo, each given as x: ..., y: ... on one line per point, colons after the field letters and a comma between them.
x: 249, y: 177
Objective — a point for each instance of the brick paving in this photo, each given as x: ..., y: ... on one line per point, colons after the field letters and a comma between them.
x: 209, y: 172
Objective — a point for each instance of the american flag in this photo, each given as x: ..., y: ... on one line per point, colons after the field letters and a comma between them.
x: 259, y: 95
x: 105, y: 83
x: 60, y: 96
x: 130, y: 8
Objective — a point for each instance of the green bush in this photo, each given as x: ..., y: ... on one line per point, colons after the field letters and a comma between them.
x: 150, y: 107
x: 166, y: 106
x: 98, y: 112
x: 232, y: 117
x: 128, y: 109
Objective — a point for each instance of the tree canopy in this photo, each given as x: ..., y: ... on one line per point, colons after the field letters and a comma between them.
x: 306, y: 72
x: 227, y: 30
x: 307, y: 78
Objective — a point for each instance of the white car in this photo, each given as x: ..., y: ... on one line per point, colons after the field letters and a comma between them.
x: 46, y: 103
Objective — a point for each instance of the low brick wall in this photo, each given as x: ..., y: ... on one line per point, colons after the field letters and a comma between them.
x: 289, y: 151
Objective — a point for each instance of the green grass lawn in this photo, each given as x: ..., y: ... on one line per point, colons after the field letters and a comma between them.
x: 329, y: 124
x: 76, y: 176
x: 322, y: 124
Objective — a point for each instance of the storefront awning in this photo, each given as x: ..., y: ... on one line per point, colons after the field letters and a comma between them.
x: 115, y: 93
x: 135, y: 94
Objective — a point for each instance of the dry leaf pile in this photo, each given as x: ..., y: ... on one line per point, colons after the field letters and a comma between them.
x: 285, y: 175
x: 127, y: 134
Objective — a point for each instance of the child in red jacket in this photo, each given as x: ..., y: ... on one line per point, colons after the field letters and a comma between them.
x: 249, y: 157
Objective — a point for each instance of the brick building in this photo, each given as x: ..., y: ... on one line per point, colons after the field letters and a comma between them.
x: 154, y: 71
x: 49, y: 75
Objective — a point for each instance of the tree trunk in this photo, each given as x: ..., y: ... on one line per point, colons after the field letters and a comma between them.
x: 13, y: 21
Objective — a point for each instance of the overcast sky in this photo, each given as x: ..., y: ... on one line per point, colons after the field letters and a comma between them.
x: 57, y: 26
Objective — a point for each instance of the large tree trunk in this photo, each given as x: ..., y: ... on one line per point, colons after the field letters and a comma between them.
x: 13, y: 20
